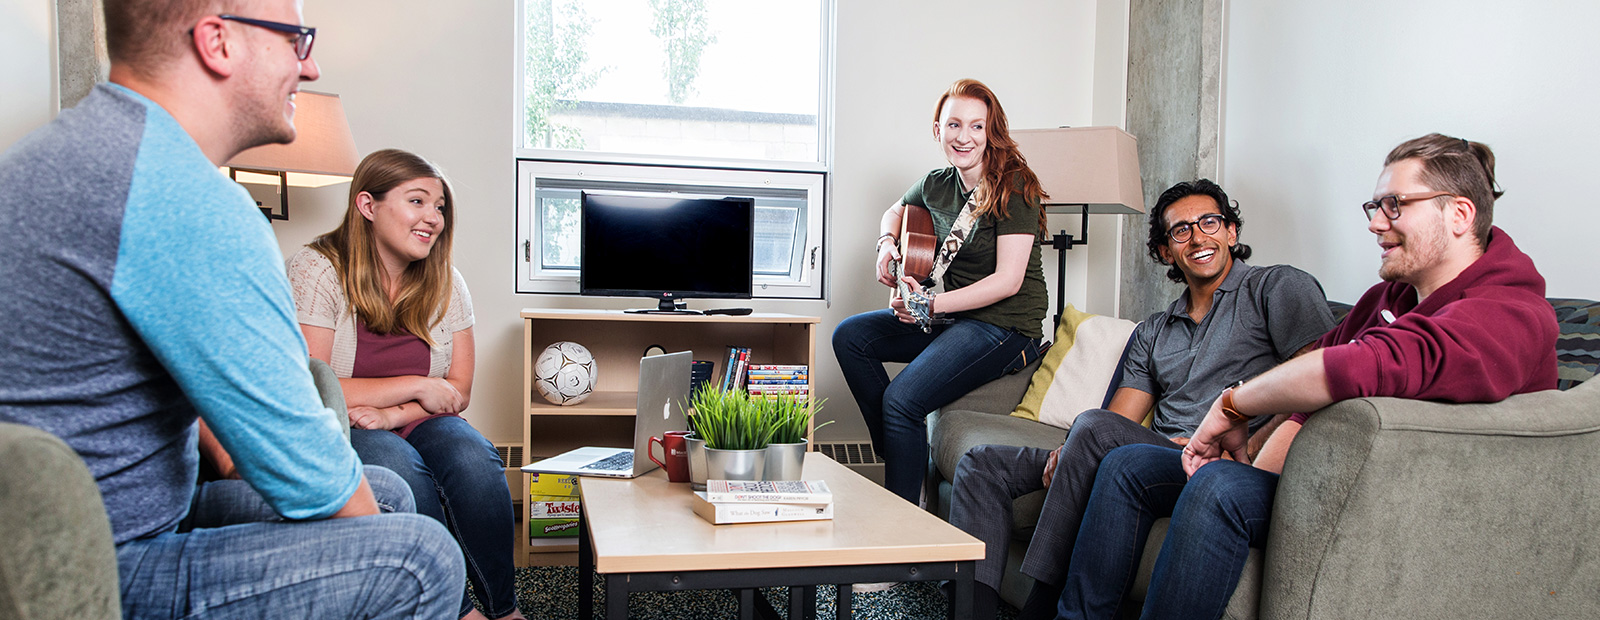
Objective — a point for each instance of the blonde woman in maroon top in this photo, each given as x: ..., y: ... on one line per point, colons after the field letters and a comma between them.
x: 379, y: 301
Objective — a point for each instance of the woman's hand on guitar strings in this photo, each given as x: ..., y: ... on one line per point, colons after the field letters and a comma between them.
x: 888, y: 257
x: 898, y: 304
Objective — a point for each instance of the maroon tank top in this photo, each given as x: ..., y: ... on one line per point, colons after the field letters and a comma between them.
x: 391, y: 355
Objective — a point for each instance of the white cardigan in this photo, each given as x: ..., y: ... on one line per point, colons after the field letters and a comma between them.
x: 319, y: 301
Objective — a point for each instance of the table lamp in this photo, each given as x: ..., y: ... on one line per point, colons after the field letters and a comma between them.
x: 1083, y: 170
x: 323, y: 153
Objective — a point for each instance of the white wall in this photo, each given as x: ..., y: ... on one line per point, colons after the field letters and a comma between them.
x: 448, y: 95
x: 1318, y: 92
x: 437, y: 78
x: 27, y: 81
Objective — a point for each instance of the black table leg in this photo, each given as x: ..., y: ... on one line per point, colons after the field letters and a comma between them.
x: 963, y: 603
x: 616, y: 597
x: 802, y: 602
x: 747, y: 603
x: 841, y: 602
x: 585, y: 572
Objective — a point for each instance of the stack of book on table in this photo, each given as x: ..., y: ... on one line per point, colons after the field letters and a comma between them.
x: 745, y: 501
x: 778, y: 379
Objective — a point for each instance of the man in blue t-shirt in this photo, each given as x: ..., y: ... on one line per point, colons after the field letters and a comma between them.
x: 144, y: 290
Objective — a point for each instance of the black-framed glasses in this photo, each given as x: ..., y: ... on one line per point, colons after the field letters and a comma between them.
x: 1209, y: 224
x: 303, y: 35
x: 1391, y: 204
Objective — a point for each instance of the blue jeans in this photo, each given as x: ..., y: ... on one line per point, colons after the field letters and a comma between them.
x: 459, y: 480
x: 940, y: 367
x: 1217, y: 516
x: 234, y: 557
x: 990, y: 477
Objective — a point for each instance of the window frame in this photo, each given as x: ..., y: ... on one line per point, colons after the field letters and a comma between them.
x: 814, y: 177
x: 807, y: 282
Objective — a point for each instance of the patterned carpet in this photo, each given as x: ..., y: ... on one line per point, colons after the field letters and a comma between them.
x: 551, y: 593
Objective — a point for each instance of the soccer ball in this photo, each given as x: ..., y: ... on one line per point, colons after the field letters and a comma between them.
x: 565, y: 373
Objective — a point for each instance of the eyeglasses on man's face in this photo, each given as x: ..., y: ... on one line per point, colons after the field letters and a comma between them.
x: 303, y: 35
x: 1209, y: 224
x: 1390, y: 205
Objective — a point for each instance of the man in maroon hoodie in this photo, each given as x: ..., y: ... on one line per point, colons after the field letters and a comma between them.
x: 1460, y: 317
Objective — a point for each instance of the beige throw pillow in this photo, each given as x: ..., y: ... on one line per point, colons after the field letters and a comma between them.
x: 1077, y: 370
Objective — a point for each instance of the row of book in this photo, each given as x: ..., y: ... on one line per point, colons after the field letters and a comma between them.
x: 779, y: 379
x: 744, y: 501
x: 757, y: 379
x: 735, y: 367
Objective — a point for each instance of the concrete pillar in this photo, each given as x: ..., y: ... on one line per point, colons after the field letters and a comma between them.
x: 81, y: 37
x: 1175, y: 56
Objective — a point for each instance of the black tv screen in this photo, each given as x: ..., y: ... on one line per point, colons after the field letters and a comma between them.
x: 666, y: 246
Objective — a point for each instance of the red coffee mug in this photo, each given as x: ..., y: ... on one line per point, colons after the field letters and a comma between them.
x: 674, y: 452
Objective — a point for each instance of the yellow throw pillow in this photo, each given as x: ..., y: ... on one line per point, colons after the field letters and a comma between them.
x: 1077, y: 370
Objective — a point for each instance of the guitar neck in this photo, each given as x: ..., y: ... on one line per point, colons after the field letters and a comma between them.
x: 902, y: 289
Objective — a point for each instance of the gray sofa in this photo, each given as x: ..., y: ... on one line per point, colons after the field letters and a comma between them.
x: 56, y: 557
x: 1388, y: 508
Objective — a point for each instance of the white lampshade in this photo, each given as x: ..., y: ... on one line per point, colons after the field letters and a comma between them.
x: 323, y: 151
x: 1093, y: 167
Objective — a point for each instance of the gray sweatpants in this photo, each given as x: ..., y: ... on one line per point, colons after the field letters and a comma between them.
x: 989, y: 477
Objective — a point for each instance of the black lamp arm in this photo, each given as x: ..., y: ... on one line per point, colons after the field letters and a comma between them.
x: 1062, y: 242
x: 283, y: 190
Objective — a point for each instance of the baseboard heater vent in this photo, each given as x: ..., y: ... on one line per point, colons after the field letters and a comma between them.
x: 850, y: 453
x: 510, y: 454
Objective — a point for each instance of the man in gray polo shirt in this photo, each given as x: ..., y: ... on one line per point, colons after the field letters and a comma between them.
x: 1232, y: 323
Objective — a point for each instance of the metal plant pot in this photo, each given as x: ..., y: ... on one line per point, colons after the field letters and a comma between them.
x: 784, y: 461
x: 697, y: 462
x: 734, y: 464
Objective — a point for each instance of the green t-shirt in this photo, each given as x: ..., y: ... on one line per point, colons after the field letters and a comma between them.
x: 941, y: 193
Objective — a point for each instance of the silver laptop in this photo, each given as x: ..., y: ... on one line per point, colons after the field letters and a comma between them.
x: 663, y: 390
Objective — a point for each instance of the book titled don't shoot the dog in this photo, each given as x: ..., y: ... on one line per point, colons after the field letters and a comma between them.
x: 768, y: 492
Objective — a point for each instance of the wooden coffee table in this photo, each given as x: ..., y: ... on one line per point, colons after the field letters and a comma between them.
x: 642, y: 535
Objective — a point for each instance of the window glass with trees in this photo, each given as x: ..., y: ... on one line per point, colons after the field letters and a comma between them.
x: 713, y: 79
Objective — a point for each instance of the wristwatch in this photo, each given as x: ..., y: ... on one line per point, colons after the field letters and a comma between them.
x: 1228, y: 410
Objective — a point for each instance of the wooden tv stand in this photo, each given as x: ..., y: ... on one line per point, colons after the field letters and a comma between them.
x: 618, y: 340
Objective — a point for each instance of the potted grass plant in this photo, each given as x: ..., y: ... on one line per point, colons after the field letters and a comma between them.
x: 789, y: 417
x: 731, y: 431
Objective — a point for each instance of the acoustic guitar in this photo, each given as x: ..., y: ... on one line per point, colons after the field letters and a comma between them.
x: 918, y: 246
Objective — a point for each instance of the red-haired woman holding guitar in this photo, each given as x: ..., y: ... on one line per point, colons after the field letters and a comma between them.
x: 973, y: 228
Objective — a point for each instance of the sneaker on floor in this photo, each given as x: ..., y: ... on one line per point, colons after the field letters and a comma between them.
x: 860, y: 588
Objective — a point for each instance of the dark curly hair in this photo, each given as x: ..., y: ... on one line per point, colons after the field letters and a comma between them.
x: 1185, y: 189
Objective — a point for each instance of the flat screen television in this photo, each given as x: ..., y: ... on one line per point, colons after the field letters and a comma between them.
x: 666, y: 246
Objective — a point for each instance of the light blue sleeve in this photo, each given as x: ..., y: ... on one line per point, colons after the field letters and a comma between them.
x: 200, y: 278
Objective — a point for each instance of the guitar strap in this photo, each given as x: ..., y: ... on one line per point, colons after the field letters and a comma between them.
x: 953, y: 241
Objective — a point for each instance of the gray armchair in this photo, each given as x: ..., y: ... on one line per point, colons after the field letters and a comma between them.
x: 1392, y: 508
x: 332, y: 395
x: 1407, y: 509
x: 56, y: 555
x: 1389, y: 508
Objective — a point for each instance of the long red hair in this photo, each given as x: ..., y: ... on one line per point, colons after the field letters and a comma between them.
x: 1005, y: 170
